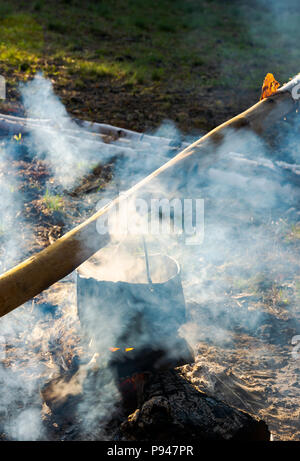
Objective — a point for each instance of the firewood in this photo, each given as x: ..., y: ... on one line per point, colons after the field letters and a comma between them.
x: 37, y: 273
x: 172, y: 410
x: 168, y: 409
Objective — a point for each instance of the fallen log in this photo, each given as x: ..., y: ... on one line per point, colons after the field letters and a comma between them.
x: 105, y: 141
x: 95, y: 132
x: 40, y: 271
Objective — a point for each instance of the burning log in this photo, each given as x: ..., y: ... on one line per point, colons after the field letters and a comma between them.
x: 172, y: 409
x: 169, y: 409
x: 37, y: 273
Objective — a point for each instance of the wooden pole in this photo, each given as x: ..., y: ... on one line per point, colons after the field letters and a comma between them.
x: 40, y: 271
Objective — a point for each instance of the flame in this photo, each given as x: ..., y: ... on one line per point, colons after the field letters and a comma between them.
x: 18, y: 137
x: 269, y: 86
x: 127, y: 349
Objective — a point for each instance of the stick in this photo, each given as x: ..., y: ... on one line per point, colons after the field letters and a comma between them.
x: 40, y: 271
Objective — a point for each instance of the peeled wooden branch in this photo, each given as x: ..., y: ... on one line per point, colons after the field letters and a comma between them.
x: 37, y: 273
x: 10, y: 124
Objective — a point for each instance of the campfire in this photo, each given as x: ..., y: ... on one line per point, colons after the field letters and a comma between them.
x: 124, y: 361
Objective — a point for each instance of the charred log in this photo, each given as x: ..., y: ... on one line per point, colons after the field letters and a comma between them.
x: 169, y: 409
x: 172, y: 410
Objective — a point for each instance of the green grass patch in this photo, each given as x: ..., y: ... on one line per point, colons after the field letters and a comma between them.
x: 170, y: 43
x: 53, y: 202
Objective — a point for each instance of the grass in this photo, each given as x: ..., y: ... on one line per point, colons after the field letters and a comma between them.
x: 146, y: 45
x: 145, y: 39
x: 21, y: 41
x: 53, y: 202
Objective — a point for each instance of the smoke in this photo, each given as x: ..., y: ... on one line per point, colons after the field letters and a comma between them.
x: 59, y: 140
x: 251, y: 204
x: 26, y: 426
x: 20, y: 371
x: 282, y: 15
x: 273, y: 29
x: 12, y: 241
x: 32, y: 333
x: 251, y: 201
x: 247, y: 201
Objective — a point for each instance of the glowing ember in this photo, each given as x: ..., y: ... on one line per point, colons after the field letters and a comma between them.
x: 269, y: 86
x: 127, y: 349
x: 132, y: 381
